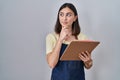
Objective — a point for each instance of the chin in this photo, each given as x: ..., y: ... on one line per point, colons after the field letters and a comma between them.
x: 65, y: 25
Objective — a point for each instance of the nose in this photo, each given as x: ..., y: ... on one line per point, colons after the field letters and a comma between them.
x: 65, y: 17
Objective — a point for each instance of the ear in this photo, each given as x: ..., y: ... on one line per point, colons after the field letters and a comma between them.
x: 75, y: 18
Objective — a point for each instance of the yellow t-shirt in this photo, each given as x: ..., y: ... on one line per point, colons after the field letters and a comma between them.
x: 52, y: 38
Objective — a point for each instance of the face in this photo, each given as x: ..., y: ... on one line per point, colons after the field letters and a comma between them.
x: 66, y: 17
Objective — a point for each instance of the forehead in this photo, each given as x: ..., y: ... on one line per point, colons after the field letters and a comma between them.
x: 66, y: 10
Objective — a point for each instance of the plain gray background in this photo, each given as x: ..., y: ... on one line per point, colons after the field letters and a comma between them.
x: 24, y: 25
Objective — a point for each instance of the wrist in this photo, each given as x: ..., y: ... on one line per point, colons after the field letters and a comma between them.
x: 88, y: 64
x: 60, y: 41
x: 89, y: 61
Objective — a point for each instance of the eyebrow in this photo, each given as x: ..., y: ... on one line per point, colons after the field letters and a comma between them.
x: 67, y: 12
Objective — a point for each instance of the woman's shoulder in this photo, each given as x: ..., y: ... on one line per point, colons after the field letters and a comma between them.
x: 52, y: 35
x: 82, y: 36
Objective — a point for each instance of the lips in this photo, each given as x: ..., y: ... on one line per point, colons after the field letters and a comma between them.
x: 65, y: 23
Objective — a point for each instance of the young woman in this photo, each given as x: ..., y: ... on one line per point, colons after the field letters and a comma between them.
x: 67, y: 29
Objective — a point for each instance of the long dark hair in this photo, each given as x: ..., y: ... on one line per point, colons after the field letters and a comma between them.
x: 75, y: 26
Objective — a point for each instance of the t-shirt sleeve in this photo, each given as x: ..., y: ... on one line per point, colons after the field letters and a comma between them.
x: 50, y: 43
x: 81, y: 36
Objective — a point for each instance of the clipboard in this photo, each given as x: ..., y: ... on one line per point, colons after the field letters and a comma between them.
x: 75, y: 47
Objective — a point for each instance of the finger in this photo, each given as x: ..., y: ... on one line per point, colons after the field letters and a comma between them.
x: 81, y: 57
x: 84, y: 54
x: 63, y: 28
x: 88, y: 54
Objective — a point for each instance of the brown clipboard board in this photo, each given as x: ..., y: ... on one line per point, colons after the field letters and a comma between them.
x: 75, y: 47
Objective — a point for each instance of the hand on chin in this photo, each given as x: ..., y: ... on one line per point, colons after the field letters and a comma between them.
x: 65, y: 26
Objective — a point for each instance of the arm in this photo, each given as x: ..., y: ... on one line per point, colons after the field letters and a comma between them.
x: 53, y: 56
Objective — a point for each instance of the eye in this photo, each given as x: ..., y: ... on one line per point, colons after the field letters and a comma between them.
x: 68, y: 14
x: 61, y: 14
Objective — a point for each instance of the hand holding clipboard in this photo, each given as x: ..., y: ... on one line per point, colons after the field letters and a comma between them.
x: 75, y: 47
